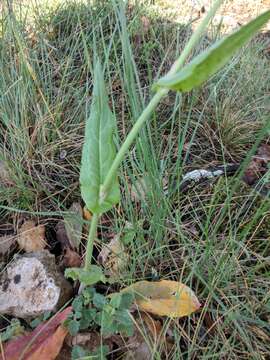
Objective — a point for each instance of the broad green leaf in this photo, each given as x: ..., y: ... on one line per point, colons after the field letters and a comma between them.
x: 99, y: 301
x: 79, y: 353
x: 121, y: 300
x: 210, y: 61
x: 86, y: 277
x: 164, y: 298
x: 98, y: 151
x: 73, y: 327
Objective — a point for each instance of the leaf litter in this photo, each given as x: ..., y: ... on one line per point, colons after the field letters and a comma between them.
x: 74, y: 225
x: 157, y: 301
x: 31, y: 237
x: 43, y: 343
x: 6, y: 243
x: 113, y: 256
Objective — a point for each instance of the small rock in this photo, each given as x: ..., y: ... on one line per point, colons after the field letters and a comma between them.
x: 63, y: 154
x: 31, y: 285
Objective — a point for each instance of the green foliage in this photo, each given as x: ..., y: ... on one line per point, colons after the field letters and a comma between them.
x: 80, y: 353
x: 34, y: 323
x: 86, y: 277
x: 14, y: 329
x: 94, y: 310
x: 98, y: 151
x: 206, y: 64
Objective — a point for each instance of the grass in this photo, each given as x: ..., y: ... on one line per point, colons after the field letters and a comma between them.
x: 213, y: 237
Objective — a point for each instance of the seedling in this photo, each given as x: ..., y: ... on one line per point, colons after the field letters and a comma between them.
x: 100, y: 162
x: 106, y: 315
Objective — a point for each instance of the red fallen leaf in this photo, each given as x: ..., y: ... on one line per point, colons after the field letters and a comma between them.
x: 44, y: 343
x: 253, y: 172
x: 258, y: 165
x: 51, y: 347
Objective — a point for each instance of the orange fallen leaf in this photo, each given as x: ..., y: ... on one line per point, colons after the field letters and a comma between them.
x: 86, y: 214
x: 164, y: 298
x: 51, y: 347
x: 44, y: 343
x: 31, y: 237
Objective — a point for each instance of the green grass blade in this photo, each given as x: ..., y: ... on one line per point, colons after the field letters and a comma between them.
x: 206, y: 64
x: 98, y: 151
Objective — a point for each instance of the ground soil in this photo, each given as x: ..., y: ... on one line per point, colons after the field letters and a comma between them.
x: 234, y: 12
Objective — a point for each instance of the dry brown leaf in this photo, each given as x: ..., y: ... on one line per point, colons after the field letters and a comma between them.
x: 61, y: 235
x: 253, y: 172
x: 164, y: 298
x: 81, y: 339
x: 145, y: 24
x: 258, y: 165
x: 31, y: 237
x: 264, y: 152
x: 43, y: 343
x: 87, y: 214
x: 113, y: 256
x: 154, y: 326
x: 6, y: 243
x: 139, y: 347
x: 71, y: 258
x: 73, y: 225
x: 92, y: 340
x: 138, y: 191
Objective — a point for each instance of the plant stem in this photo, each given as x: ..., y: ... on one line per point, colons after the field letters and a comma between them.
x: 156, y: 99
x: 139, y: 124
x: 90, y: 241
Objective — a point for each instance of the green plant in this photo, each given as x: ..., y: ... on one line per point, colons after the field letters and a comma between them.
x: 14, y: 329
x: 110, y: 314
x: 79, y: 352
x: 100, y: 162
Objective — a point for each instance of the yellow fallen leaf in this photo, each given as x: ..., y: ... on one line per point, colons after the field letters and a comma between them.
x: 164, y: 298
x: 31, y: 237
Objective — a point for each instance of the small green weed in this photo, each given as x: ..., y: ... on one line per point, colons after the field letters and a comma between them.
x: 108, y: 314
x: 12, y: 330
x: 79, y: 352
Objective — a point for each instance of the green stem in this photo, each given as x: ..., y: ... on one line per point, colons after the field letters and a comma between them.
x: 155, y: 100
x: 139, y: 124
x: 90, y: 241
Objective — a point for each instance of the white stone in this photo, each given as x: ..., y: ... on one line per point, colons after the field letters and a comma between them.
x: 197, y: 175
x: 31, y: 285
